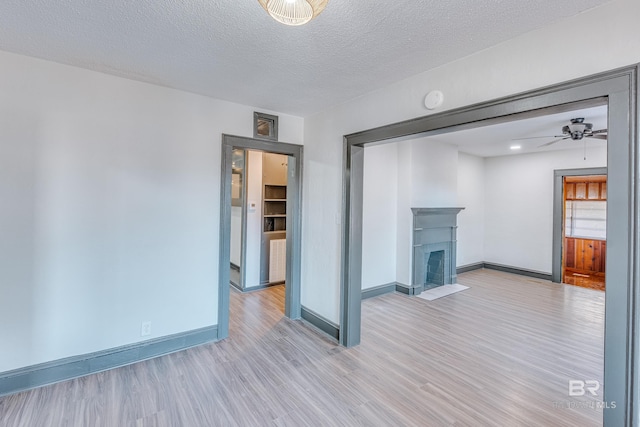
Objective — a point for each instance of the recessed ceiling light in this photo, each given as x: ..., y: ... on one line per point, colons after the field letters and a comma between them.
x: 515, y: 147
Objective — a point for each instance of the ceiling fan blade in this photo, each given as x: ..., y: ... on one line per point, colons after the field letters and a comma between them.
x: 553, y: 142
x: 599, y: 131
x: 537, y: 137
x: 597, y: 136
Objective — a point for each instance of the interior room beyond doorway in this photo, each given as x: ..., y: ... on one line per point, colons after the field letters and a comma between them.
x: 584, y: 232
x: 258, y: 219
x: 501, y: 179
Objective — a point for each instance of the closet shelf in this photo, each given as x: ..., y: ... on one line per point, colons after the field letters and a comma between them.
x: 274, y: 211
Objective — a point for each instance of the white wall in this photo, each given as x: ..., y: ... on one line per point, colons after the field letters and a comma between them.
x: 397, y: 177
x: 471, y: 221
x: 236, y: 235
x: 533, y: 60
x: 430, y: 178
x: 434, y: 174
x: 519, y: 205
x: 379, y: 221
x: 404, y: 228
x: 254, y: 219
x: 110, y: 208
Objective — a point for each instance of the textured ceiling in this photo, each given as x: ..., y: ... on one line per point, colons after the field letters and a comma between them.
x: 232, y: 50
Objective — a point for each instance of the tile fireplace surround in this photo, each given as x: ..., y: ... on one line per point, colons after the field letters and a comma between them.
x: 434, y: 230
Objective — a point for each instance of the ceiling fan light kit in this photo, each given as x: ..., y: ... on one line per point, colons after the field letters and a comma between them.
x: 576, y: 130
x: 293, y: 12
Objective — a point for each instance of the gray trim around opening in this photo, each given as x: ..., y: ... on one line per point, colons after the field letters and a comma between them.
x: 558, y: 220
x: 294, y: 224
x: 321, y: 323
x: 351, y: 267
x: 243, y: 227
x: 616, y: 88
x: 86, y: 364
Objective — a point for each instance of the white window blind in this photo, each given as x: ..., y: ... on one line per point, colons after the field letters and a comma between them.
x: 586, y: 219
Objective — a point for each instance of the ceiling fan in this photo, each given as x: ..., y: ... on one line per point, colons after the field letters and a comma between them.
x: 576, y: 130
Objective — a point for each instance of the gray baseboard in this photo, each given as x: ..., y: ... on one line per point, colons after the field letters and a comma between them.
x: 255, y: 288
x: 416, y: 290
x: 408, y: 290
x: 470, y: 267
x: 321, y: 323
x: 505, y: 268
x: 516, y: 270
x: 378, y: 290
x: 77, y: 366
x: 391, y: 287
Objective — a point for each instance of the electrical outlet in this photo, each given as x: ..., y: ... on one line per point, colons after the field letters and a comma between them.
x: 145, y: 329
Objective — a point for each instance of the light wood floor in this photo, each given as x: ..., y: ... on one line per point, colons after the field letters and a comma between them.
x: 498, y: 354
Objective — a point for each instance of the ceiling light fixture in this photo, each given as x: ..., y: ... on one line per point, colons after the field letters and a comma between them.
x: 578, y: 128
x: 515, y: 147
x: 293, y: 12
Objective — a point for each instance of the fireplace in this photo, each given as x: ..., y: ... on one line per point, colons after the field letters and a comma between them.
x: 434, y: 247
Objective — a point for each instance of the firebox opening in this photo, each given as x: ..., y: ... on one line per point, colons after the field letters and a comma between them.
x: 435, y: 269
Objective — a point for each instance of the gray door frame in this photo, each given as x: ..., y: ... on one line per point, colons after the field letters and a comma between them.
x: 618, y: 89
x: 243, y: 226
x: 294, y: 224
x: 558, y: 214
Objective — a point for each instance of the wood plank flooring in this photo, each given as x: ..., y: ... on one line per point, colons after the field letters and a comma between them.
x: 498, y: 354
x: 591, y: 281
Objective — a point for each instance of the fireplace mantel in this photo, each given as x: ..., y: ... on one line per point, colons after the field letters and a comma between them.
x: 436, y: 211
x: 434, y: 229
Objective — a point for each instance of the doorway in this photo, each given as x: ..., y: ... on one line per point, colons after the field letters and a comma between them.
x: 258, y: 219
x: 289, y: 220
x: 584, y: 221
x: 617, y: 89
